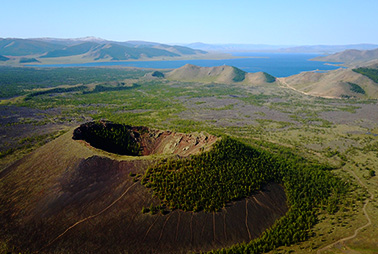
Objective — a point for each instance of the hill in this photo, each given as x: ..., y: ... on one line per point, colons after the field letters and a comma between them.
x: 3, y: 58
x: 78, y: 49
x: 219, y: 74
x: 90, y: 49
x: 371, y: 72
x: 350, y: 57
x: 72, y: 41
x: 341, y: 83
x: 118, y: 52
x: 259, y: 78
x: 28, y: 60
x: 24, y: 47
x: 179, y: 49
x: 64, y: 197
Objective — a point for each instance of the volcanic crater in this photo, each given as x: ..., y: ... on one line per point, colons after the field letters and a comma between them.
x: 141, y: 140
x: 79, y: 199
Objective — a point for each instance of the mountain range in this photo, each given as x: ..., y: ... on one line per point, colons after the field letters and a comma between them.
x: 316, y: 49
x: 89, y: 48
x: 101, y: 49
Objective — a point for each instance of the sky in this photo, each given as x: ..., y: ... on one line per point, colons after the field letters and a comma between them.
x: 274, y: 22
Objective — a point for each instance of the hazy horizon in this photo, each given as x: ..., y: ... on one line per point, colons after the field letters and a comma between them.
x: 185, y: 43
x: 274, y: 22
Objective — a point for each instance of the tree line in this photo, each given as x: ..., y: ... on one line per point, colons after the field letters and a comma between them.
x: 111, y: 137
x: 368, y: 72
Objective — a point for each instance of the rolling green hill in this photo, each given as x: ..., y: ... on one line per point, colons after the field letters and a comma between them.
x: 72, y: 50
x: 23, y: 47
x: 118, y: 52
x: 90, y: 49
x: 110, y: 50
x: 180, y: 49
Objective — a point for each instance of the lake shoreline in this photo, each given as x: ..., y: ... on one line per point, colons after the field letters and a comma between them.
x: 276, y: 64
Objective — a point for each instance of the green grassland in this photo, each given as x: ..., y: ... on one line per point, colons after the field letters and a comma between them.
x: 341, y: 133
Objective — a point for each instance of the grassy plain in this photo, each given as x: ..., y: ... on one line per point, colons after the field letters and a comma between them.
x: 342, y: 132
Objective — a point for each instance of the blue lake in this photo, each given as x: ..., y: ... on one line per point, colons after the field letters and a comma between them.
x: 276, y: 64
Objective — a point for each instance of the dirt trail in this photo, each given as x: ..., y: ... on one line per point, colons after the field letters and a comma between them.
x: 342, y: 240
x: 88, y: 218
x: 246, y: 219
x: 284, y: 84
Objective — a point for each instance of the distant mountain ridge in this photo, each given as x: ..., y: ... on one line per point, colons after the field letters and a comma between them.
x: 318, y: 49
x: 23, y: 47
x: 99, y: 48
x: 111, y: 51
x: 352, y: 56
x: 70, y: 41
x: 327, y: 49
x: 90, y: 47
x: 76, y: 49
x: 233, y: 47
x: 119, y: 52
